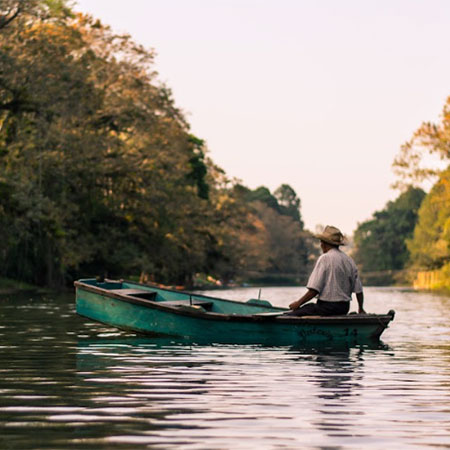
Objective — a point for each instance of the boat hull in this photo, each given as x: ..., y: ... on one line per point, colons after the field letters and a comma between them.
x: 250, y: 325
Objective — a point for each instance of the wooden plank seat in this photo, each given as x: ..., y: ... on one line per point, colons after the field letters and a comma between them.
x: 151, y: 295
x: 195, y: 302
x: 140, y: 293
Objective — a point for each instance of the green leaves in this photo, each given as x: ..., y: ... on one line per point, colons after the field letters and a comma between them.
x: 426, y: 154
x: 381, y: 241
x: 92, y: 151
x: 99, y: 173
x: 430, y: 245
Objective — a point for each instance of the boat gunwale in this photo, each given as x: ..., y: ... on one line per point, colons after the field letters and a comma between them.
x: 354, y: 319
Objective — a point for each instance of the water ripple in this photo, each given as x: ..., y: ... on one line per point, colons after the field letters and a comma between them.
x: 70, y: 383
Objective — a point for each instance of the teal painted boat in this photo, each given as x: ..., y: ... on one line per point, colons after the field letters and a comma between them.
x: 156, y: 311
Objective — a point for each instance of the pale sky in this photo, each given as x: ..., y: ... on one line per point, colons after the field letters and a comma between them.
x: 318, y: 94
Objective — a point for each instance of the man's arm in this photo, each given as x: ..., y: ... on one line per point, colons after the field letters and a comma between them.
x: 309, y: 295
x: 360, y: 298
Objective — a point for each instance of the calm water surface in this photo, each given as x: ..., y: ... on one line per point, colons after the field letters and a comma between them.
x: 68, y: 383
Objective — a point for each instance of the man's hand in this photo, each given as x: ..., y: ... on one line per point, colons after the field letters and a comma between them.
x: 295, y: 305
x: 310, y: 294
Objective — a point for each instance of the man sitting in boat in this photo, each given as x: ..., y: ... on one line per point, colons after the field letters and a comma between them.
x: 333, y: 279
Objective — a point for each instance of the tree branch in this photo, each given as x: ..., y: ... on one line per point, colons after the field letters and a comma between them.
x: 5, y: 20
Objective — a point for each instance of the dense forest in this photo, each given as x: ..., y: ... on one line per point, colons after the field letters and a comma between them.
x: 101, y: 175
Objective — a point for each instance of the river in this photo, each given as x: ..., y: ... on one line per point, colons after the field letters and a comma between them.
x: 69, y: 383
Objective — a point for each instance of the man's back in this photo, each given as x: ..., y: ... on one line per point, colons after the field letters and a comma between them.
x: 335, y: 277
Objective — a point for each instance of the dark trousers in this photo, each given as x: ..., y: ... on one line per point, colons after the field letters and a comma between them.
x: 321, y: 308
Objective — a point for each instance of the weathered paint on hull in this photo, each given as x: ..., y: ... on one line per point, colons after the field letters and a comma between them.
x: 268, y: 331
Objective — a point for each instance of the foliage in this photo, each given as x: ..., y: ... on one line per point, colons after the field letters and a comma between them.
x: 413, y: 164
x: 430, y: 245
x: 286, y: 241
x: 263, y: 195
x: 380, y: 241
x: 254, y: 240
x: 276, y: 245
x: 289, y: 203
x: 99, y: 173
x: 91, y: 150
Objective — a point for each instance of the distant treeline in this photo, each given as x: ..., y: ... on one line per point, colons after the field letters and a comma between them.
x: 100, y: 175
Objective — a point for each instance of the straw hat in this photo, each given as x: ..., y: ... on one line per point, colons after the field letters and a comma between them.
x: 331, y: 235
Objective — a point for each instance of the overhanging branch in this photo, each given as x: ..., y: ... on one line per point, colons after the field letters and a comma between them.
x: 7, y: 18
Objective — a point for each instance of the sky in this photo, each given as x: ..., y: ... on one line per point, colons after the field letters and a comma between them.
x: 317, y: 94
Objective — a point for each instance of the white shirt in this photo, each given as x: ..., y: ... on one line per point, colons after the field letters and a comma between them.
x: 335, y: 277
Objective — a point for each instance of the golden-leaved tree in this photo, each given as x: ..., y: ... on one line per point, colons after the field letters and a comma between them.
x: 430, y: 245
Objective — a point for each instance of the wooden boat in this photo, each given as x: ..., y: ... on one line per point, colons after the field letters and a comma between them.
x: 152, y: 310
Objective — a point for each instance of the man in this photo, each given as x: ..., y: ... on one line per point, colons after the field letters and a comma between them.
x: 333, y: 279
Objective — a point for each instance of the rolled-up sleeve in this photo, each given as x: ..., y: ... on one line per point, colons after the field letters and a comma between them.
x: 317, y: 278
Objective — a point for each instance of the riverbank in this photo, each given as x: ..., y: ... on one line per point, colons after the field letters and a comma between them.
x: 434, y: 280
x: 9, y: 286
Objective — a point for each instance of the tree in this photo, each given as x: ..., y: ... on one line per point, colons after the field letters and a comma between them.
x: 381, y: 241
x: 99, y: 170
x: 21, y: 11
x: 263, y: 195
x: 272, y: 237
x: 100, y: 174
x: 199, y: 169
x: 430, y: 245
x: 286, y: 242
x: 412, y: 164
x: 40, y: 84
x: 289, y: 203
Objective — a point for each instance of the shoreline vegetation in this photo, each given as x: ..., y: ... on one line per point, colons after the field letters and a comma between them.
x: 8, y: 286
x: 100, y: 174
x: 424, y: 281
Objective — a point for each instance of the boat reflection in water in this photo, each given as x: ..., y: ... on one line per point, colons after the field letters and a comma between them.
x: 186, y: 391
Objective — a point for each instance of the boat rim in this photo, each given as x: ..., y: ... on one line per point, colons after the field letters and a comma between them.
x: 354, y: 319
